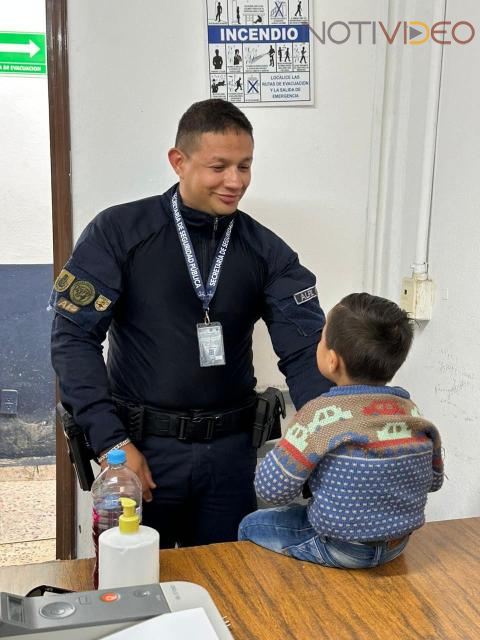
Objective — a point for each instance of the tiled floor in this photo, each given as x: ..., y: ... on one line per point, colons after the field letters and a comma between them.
x: 27, y: 514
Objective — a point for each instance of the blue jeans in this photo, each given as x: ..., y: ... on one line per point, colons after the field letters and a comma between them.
x: 287, y: 530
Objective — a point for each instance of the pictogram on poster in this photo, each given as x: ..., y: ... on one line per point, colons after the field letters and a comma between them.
x: 260, y: 51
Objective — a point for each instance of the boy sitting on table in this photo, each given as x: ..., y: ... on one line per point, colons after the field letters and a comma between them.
x: 369, y: 457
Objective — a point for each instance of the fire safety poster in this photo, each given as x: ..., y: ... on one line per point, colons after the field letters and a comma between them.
x: 260, y: 51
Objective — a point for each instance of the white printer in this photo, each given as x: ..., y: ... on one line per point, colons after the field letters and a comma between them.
x: 91, y: 615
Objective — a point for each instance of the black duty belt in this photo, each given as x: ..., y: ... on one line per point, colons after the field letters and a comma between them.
x: 191, y: 426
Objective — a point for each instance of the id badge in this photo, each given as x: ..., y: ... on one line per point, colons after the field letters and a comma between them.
x: 210, y: 344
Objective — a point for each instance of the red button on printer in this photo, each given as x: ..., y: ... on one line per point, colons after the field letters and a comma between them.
x: 109, y: 597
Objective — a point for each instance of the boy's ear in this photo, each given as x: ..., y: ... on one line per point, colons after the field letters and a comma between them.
x: 333, y: 361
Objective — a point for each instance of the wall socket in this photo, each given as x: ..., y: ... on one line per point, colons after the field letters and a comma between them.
x: 417, y: 297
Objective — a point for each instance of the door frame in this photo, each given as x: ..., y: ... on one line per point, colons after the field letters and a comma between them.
x: 60, y: 159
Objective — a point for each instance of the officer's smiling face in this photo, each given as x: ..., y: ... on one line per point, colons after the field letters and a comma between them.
x: 216, y: 172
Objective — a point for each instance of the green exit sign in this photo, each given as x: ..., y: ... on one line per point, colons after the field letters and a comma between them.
x: 23, y: 53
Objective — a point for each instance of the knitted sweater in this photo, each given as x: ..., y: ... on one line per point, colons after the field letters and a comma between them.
x: 369, y: 458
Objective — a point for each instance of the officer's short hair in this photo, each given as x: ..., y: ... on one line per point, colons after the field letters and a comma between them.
x: 371, y: 334
x: 210, y: 116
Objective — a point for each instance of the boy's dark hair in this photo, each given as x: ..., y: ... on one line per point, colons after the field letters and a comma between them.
x: 210, y: 116
x: 371, y: 334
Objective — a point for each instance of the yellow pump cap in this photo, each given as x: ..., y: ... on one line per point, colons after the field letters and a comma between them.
x: 129, y: 521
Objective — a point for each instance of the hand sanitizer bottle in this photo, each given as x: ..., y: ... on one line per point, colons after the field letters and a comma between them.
x: 129, y: 553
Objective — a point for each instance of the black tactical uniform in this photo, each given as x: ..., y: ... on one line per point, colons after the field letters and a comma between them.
x: 128, y: 276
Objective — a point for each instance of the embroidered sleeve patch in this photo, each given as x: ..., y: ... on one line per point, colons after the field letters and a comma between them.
x: 82, y: 293
x: 80, y: 297
x: 66, y: 305
x: 102, y: 303
x: 305, y: 295
x: 64, y: 280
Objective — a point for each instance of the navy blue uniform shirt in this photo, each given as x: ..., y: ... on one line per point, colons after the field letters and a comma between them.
x: 127, y: 275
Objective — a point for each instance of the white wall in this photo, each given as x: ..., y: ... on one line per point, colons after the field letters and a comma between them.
x: 341, y: 181
x: 133, y: 77
x: 443, y: 369
x: 25, y: 197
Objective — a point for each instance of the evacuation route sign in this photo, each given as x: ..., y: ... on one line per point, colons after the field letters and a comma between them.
x: 23, y: 53
x: 260, y: 51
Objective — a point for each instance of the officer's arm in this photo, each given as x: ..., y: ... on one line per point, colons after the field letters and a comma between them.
x: 295, y: 321
x: 77, y: 357
x: 84, y: 298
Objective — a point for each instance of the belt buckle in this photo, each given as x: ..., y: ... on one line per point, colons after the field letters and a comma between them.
x: 192, y: 434
x: 208, y: 431
x: 211, y: 422
x: 182, y: 431
x: 195, y: 422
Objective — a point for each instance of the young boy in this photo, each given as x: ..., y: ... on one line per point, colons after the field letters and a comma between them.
x: 369, y: 457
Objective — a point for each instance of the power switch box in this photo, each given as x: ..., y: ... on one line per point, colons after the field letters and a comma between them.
x: 417, y: 297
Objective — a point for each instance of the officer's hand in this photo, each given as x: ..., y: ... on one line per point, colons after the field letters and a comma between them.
x: 137, y: 463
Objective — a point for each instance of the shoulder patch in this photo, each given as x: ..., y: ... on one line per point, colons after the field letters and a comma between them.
x: 63, y: 281
x: 102, y: 303
x: 66, y: 305
x: 305, y: 295
x: 81, y: 297
x: 82, y: 293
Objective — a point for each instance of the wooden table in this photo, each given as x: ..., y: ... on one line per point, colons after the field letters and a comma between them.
x: 431, y: 591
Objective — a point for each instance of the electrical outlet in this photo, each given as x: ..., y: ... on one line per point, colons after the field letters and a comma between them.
x: 407, y: 296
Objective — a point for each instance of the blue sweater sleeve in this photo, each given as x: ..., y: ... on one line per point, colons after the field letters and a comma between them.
x: 274, y: 484
x: 283, y: 472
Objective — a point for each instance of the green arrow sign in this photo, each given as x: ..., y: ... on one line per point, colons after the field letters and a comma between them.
x: 23, y: 53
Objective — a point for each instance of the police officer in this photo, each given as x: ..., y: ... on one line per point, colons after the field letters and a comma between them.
x: 178, y: 281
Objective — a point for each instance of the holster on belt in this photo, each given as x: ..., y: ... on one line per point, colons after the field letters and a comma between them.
x: 267, y: 425
x: 261, y: 414
x: 79, y: 450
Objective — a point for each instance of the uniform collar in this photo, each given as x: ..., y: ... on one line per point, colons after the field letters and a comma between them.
x: 194, y: 218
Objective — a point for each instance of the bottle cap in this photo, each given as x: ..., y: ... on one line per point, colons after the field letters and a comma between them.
x: 129, y: 521
x: 117, y: 456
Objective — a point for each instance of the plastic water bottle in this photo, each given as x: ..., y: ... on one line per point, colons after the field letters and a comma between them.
x: 115, y: 482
